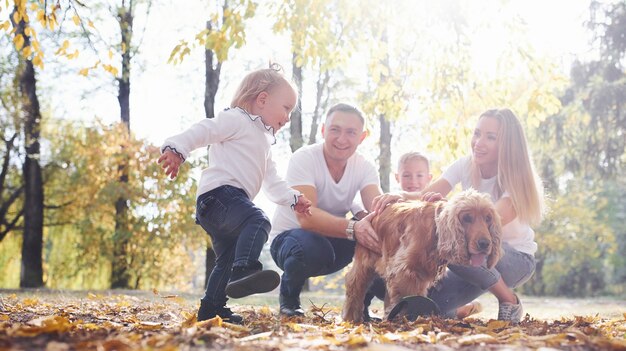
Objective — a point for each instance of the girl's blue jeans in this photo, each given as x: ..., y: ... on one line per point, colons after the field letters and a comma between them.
x: 463, y: 284
x: 302, y: 254
x: 238, y: 230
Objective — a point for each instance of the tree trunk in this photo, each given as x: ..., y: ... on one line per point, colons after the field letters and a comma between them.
x: 320, y: 106
x: 31, y: 275
x: 212, y: 82
x: 295, y: 128
x: 120, y: 272
x: 384, y: 159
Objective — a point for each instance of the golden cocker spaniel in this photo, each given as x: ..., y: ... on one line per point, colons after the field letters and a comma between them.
x: 418, y: 240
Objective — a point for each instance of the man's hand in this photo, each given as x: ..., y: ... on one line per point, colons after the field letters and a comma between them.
x: 381, y: 201
x: 170, y: 162
x: 365, y: 235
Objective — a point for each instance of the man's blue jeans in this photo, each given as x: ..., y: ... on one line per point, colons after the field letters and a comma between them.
x: 463, y: 284
x: 238, y: 230
x: 302, y: 254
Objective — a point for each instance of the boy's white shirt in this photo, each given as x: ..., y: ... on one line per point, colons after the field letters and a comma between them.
x: 308, y: 167
x: 516, y: 233
x: 240, y: 155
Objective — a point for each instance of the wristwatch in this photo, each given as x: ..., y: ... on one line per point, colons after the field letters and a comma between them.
x: 350, y: 229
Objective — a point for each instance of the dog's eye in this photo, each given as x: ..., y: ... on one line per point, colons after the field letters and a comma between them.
x: 467, y: 218
x: 488, y: 218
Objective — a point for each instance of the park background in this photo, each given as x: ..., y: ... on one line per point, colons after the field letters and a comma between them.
x: 89, y: 92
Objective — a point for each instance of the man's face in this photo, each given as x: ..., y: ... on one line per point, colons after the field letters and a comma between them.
x: 342, y: 132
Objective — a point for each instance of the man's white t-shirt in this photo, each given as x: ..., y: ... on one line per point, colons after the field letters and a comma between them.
x: 308, y: 167
x: 515, y: 233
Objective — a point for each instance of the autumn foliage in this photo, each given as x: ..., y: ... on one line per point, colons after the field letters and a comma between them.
x: 167, y: 322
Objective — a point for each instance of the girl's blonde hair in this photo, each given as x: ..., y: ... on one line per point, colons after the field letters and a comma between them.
x: 256, y: 82
x: 414, y: 155
x: 516, y: 173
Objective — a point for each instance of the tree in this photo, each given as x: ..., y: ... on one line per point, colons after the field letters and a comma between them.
x: 585, y: 142
x: 11, y: 186
x: 32, y: 269
x: 320, y: 32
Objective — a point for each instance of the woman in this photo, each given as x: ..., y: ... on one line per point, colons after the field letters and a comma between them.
x: 500, y: 165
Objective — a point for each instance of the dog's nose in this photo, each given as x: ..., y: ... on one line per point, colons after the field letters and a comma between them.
x: 483, y: 244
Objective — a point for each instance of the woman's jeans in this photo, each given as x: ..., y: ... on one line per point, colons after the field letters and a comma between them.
x: 238, y: 230
x: 462, y: 284
x: 302, y: 254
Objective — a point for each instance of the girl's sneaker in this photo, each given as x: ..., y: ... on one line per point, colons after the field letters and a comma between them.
x: 208, y: 310
x: 246, y: 281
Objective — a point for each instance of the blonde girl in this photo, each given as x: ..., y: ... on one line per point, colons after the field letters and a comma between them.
x: 240, y: 164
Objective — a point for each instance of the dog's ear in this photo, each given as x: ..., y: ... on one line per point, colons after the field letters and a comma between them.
x: 495, y: 229
x: 450, y: 231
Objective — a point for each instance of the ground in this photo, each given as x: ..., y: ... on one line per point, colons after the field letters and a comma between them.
x: 129, y: 320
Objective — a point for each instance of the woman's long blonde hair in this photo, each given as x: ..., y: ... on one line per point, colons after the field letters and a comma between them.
x: 256, y: 82
x: 516, y: 173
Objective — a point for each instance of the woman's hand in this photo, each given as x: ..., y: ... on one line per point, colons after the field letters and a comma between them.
x: 381, y: 201
x: 365, y: 235
x: 170, y: 163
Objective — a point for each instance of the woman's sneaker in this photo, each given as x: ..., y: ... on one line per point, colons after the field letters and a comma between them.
x: 208, y: 310
x: 511, y: 312
x: 245, y: 281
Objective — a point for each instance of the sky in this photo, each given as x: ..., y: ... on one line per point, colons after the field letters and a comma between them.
x: 167, y: 98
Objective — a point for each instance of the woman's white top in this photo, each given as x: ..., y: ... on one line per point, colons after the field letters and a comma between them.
x: 239, y: 155
x: 516, y: 233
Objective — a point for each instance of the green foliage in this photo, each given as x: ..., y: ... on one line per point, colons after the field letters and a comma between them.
x: 81, y: 183
x: 582, y: 163
x: 574, y: 242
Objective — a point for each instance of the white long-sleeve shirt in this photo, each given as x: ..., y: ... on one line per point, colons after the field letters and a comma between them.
x: 239, y: 155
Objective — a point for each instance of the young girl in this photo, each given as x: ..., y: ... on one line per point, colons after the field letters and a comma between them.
x: 413, y: 174
x: 500, y: 165
x: 240, y: 163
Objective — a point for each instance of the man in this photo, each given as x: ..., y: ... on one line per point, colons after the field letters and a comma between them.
x: 329, y: 174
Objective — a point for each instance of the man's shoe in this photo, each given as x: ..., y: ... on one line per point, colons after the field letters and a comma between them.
x: 208, y: 310
x: 290, y: 306
x: 245, y: 281
x: 510, y: 312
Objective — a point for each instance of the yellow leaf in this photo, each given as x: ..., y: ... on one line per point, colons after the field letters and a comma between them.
x: 6, y: 25
x: 110, y: 54
x: 30, y: 302
x: 18, y: 40
x: 37, y: 61
x: 90, y: 24
x: 154, y: 290
x: 76, y: 20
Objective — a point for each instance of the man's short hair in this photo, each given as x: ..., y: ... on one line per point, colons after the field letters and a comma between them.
x: 347, y: 109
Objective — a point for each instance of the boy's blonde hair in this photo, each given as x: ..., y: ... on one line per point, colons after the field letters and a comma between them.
x: 256, y: 82
x: 414, y: 155
x: 516, y: 172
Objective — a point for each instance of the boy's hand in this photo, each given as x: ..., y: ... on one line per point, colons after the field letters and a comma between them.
x: 170, y: 162
x: 303, y: 205
x: 432, y: 197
